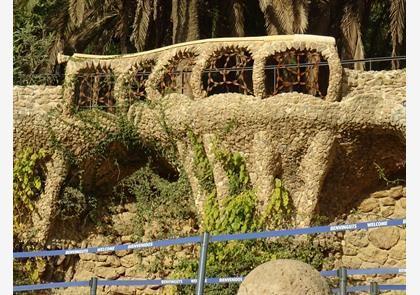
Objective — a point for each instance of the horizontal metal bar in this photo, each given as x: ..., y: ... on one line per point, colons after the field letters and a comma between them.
x: 227, y: 280
x: 160, y: 243
x: 366, y: 288
x: 365, y: 271
x: 216, y: 238
x: 50, y: 286
x: 127, y: 283
x: 249, y: 68
x: 305, y: 231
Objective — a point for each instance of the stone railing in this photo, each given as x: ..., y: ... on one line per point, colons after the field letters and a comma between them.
x: 257, y: 66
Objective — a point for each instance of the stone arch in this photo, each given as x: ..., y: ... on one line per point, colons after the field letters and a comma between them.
x: 296, y: 70
x: 355, y: 173
x: 94, y: 88
x: 134, y: 85
x: 228, y: 69
x: 176, y: 74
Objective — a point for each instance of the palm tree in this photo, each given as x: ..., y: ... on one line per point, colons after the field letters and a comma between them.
x: 397, y: 25
x: 351, y: 21
x: 285, y: 16
x: 121, y: 26
x: 347, y: 21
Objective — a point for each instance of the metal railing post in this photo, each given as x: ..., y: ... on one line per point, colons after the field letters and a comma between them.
x: 374, y: 289
x: 202, y: 266
x: 342, y: 274
x: 93, y: 283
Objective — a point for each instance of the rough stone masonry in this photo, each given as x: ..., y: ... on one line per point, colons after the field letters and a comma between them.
x: 322, y: 147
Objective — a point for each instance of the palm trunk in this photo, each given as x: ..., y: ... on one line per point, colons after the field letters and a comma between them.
x: 285, y: 16
x: 238, y: 18
x: 123, y: 10
x: 192, y: 24
x: 352, y: 34
x: 185, y: 20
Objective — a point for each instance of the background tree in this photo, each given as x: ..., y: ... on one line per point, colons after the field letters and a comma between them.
x: 42, y: 29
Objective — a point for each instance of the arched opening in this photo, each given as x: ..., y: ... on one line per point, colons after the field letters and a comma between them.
x: 364, y: 162
x: 94, y: 89
x: 136, y: 85
x: 303, y: 71
x: 228, y: 70
x: 177, y: 74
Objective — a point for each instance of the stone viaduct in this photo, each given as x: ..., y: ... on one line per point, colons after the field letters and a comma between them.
x: 293, y: 113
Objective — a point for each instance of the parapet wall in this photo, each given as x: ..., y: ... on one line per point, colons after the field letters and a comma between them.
x: 36, y: 98
x: 257, y: 66
x: 389, y: 85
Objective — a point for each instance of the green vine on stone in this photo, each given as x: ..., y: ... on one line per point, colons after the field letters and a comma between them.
x: 202, y: 167
x: 238, y: 212
x: 235, y: 167
x: 279, y: 208
x: 27, y: 183
x: 382, y: 176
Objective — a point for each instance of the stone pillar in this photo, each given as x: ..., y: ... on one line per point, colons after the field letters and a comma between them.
x: 312, y: 171
x: 46, y: 206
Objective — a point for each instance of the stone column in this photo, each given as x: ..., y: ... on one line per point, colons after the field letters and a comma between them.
x: 312, y: 171
x: 46, y: 206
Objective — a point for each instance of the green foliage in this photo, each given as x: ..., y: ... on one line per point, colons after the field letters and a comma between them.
x: 31, y: 42
x: 124, y: 132
x: 202, y: 168
x: 382, y: 176
x: 163, y: 208
x: 158, y: 199
x: 279, y: 209
x: 238, y: 213
x: 234, y: 165
x: 27, y: 272
x: 72, y: 204
x: 27, y: 187
x: 93, y: 121
x: 27, y: 181
x: 230, y: 125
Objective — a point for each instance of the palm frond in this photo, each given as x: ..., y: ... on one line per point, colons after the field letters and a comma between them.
x: 285, y: 16
x: 269, y: 16
x: 76, y: 11
x: 141, y: 24
x: 300, y: 23
x: 351, y: 30
x: 397, y: 16
x: 55, y: 48
x: 26, y: 5
x: 80, y: 38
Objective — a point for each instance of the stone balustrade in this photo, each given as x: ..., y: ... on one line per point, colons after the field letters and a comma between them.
x: 257, y: 66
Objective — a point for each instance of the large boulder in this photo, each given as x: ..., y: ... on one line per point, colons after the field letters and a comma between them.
x: 284, y: 277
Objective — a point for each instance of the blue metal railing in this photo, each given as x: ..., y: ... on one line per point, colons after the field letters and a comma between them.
x: 216, y: 238
x: 212, y: 239
x: 163, y: 282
